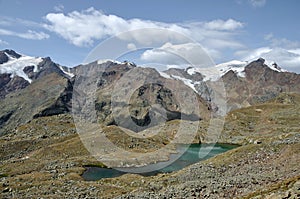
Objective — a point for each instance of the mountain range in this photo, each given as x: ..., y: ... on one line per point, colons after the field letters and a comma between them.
x: 35, y: 87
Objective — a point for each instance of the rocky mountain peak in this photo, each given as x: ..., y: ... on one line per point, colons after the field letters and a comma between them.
x: 5, y: 54
x: 261, y: 60
x: 19, y: 71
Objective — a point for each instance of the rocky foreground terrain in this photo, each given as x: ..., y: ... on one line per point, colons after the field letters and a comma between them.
x: 36, y: 163
x: 42, y: 155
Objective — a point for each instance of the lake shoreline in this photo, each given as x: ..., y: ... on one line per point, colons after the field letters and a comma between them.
x: 185, y: 158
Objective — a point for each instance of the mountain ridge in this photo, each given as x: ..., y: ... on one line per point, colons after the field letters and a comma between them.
x: 257, y: 81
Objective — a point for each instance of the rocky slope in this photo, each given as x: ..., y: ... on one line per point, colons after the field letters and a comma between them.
x: 51, y: 166
x: 31, y: 87
x: 36, y: 87
x: 265, y: 166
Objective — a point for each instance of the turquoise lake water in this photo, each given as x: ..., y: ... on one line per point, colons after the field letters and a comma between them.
x: 194, y: 153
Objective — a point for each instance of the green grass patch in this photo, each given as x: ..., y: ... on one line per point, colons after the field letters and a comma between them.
x: 3, y: 175
x: 97, y: 164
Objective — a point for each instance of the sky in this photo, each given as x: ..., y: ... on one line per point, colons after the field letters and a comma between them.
x: 68, y: 31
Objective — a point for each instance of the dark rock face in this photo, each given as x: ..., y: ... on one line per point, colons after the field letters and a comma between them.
x: 4, y: 79
x: 5, y: 117
x: 8, y: 84
x: 62, y: 105
x: 3, y: 57
x: 152, y: 103
x: 29, y: 71
x: 46, y: 67
x: 46, y: 96
x: 12, y: 53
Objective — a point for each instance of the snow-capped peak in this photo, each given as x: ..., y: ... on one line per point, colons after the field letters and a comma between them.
x: 215, y: 73
x: 218, y: 71
x: 238, y: 67
x: 103, y: 61
x: 15, y: 66
x: 272, y: 65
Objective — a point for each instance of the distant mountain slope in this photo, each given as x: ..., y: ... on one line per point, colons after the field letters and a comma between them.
x: 245, y: 83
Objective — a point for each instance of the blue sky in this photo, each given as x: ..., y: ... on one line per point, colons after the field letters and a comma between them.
x: 233, y: 29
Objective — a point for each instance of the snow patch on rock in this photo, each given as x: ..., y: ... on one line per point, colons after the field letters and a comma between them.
x: 15, y: 66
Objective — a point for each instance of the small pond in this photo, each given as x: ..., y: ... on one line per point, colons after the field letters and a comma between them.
x: 195, y: 153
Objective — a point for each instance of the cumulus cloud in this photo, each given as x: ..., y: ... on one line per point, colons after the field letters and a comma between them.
x: 180, y: 54
x: 30, y: 34
x: 230, y: 24
x: 83, y: 28
x: 131, y: 46
x: 258, y: 3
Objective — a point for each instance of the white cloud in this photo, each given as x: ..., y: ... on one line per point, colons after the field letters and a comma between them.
x: 30, y: 34
x: 182, y: 54
x: 131, y: 46
x: 230, y: 24
x: 213, y: 53
x: 221, y: 43
x: 248, y: 55
x: 10, y: 21
x: 82, y: 28
x: 85, y: 27
x: 258, y: 3
x: 281, y: 42
x: 22, y: 23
